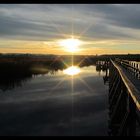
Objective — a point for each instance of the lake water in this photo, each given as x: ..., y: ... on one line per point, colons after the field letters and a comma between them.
x: 56, y: 105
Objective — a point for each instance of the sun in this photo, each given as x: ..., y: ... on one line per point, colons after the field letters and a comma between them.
x: 71, y: 44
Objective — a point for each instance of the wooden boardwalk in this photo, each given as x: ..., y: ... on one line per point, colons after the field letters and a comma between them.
x: 124, y: 98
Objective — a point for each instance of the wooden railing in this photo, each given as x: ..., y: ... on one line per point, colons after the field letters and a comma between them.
x: 124, y: 99
x: 131, y: 66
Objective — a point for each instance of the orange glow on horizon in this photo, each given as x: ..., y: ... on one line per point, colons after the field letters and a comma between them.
x: 85, y: 47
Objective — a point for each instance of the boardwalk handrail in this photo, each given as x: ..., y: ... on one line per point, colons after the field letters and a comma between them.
x: 133, y: 68
x: 135, y: 94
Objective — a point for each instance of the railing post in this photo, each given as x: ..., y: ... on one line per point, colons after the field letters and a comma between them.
x: 137, y: 70
x: 123, y: 111
x: 132, y: 117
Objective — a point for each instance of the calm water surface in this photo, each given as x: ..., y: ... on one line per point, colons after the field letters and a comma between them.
x: 56, y: 104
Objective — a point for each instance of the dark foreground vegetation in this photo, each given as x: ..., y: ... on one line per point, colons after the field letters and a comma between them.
x: 17, y: 69
x: 26, y: 65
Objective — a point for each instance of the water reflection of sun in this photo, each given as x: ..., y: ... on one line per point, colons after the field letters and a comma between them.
x: 73, y: 70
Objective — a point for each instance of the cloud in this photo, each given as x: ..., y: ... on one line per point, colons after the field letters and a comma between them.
x: 48, y: 22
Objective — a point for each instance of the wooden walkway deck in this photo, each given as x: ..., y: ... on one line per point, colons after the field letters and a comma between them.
x: 124, y: 98
x: 132, y: 83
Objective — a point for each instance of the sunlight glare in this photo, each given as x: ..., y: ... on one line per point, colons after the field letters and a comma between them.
x: 71, y: 45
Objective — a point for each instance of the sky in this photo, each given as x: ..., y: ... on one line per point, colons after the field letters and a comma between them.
x: 38, y: 28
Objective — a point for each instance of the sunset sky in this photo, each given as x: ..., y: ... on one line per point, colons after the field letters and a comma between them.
x: 38, y: 28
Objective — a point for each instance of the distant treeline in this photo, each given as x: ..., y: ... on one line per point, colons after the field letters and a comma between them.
x: 130, y: 57
x: 27, y: 64
x: 77, y: 57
